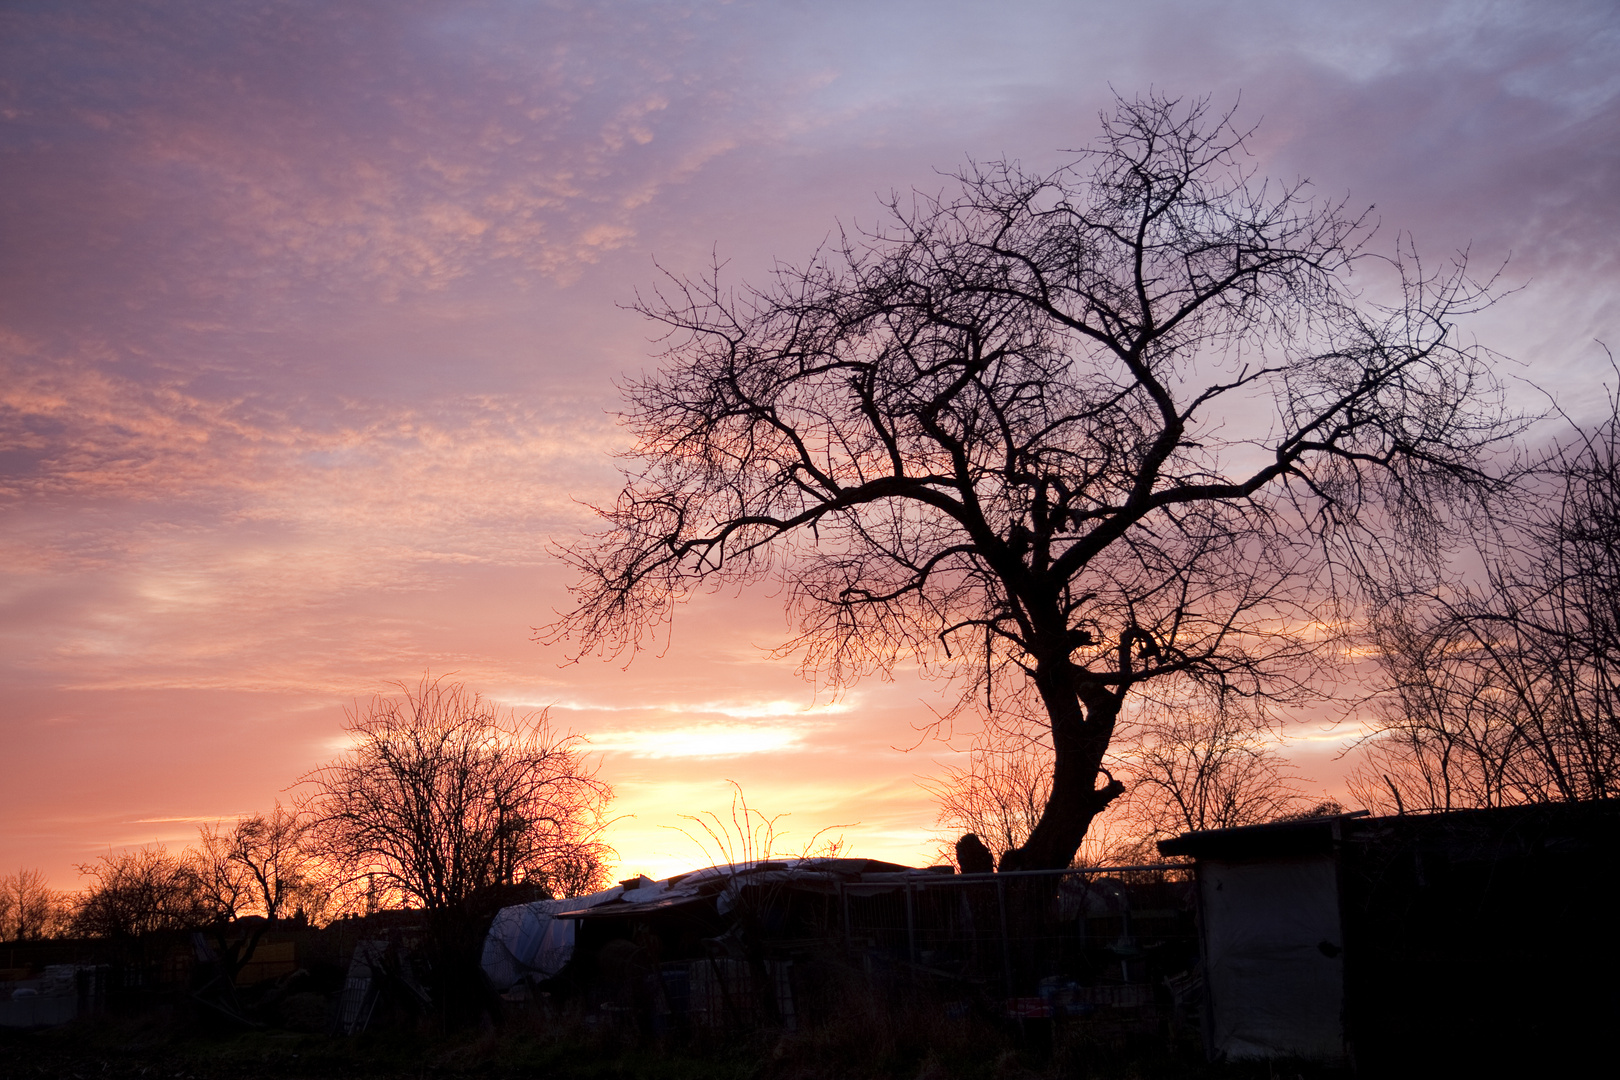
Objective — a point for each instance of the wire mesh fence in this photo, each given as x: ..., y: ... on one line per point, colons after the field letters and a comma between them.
x: 1049, y: 943
x: 1114, y: 949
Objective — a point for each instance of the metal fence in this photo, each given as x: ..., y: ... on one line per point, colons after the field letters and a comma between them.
x: 1050, y: 943
x: 1114, y: 948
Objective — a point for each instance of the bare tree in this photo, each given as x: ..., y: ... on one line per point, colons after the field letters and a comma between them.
x: 1193, y: 763
x: 1508, y: 691
x: 577, y: 873
x: 1081, y: 431
x: 29, y: 908
x: 1445, y: 731
x: 443, y: 802
x: 256, y: 866
x: 997, y: 796
x: 443, y: 795
x: 224, y: 882
x: 143, y: 891
x: 261, y: 864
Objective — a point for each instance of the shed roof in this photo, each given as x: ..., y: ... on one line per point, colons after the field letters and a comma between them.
x: 1590, y: 827
x: 1276, y: 839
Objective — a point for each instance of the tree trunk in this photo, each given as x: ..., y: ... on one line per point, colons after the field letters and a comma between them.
x: 1080, y: 737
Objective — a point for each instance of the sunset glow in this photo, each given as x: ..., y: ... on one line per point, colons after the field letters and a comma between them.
x: 313, y: 315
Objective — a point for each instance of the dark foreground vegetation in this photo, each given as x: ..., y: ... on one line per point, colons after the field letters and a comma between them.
x: 906, y: 1043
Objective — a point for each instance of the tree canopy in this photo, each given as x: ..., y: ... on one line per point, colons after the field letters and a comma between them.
x: 1063, y: 436
x: 443, y: 795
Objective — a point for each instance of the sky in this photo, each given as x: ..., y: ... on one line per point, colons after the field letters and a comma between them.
x: 312, y: 318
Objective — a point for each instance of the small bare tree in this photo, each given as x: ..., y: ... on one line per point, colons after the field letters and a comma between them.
x: 261, y: 864
x: 257, y: 865
x: 1193, y: 763
x: 1446, y: 734
x: 584, y: 870
x: 445, y: 800
x: 444, y: 795
x: 224, y: 882
x: 1070, y: 434
x: 29, y: 908
x: 998, y: 795
x: 143, y: 891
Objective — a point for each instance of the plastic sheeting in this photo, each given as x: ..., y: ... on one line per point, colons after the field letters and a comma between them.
x: 535, y: 941
x: 527, y: 941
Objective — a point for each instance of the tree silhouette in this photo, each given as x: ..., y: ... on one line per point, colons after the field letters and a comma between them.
x: 143, y: 891
x: 262, y: 864
x: 1058, y: 435
x: 1188, y: 762
x: 443, y: 801
x: 444, y: 795
x: 1507, y: 690
x: 29, y: 907
x: 1201, y: 764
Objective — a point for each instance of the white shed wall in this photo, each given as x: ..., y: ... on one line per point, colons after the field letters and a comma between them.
x: 1273, y: 955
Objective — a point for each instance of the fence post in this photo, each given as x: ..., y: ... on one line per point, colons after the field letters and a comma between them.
x: 911, y: 927
x: 1006, y: 955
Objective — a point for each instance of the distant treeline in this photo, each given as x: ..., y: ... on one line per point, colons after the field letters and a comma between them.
x: 443, y: 796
